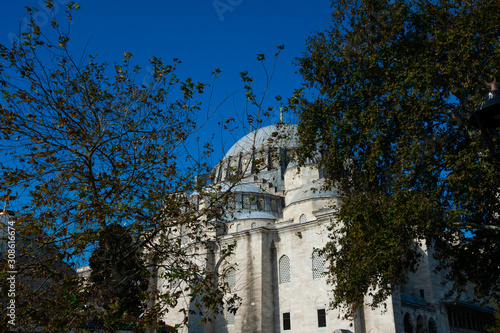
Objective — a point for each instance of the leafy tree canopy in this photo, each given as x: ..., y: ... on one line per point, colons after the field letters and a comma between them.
x: 394, y: 85
x: 87, y: 145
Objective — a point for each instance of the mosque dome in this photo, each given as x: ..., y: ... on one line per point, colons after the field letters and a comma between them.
x: 263, y: 153
x: 274, y: 136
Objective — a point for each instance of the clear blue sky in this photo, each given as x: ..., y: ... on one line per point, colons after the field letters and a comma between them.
x: 203, y: 34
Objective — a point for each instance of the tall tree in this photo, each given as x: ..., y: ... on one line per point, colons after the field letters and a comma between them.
x: 87, y: 145
x: 118, y: 275
x: 394, y: 83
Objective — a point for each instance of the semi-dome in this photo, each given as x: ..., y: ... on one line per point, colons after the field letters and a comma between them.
x: 313, y: 190
x: 274, y: 136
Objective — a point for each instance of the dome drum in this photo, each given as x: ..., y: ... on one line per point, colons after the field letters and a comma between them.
x: 250, y: 202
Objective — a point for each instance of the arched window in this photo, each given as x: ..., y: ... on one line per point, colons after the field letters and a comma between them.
x: 284, y: 269
x: 260, y: 204
x: 238, y: 227
x: 254, y: 225
x: 303, y: 218
x: 408, y: 323
x: 246, y: 202
x: 432, y: 326
x: 318, y: 265
x: 274, y: 206
x: 420, y: 324
x: 184, y: 234
x: 230, y: 279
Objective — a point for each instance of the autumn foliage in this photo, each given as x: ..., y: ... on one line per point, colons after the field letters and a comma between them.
x: 393, y: 85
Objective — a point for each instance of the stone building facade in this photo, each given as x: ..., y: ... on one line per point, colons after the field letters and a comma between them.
x: 280, y: 219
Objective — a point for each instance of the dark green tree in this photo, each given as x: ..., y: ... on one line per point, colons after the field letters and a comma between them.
x: 119, y: 277
x: 393, y: 85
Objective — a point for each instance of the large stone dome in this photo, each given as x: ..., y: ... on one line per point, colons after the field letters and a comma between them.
x: 263, y: 154
x: 274, y: 136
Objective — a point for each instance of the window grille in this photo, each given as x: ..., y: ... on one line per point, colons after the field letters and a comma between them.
x: 254, y: 225
x: 321, y: 318
x: 260, y: 204
x: 318, y: 265
x: 274, y: 206
x: 239, y: 201
x: 238, y: 227
x: 432, y: 326
x: 246, y: 202
x: 287, y: 322
x: 408, y: 325
x: 184, y: 235
x: 230, y: 279
x: 284, y: 267
x: 420, y: 324
x: 229, y: 316
x: 303, y: 218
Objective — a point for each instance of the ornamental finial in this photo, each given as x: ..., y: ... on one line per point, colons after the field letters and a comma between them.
x: 4, y: 212
x: 492, y: 84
